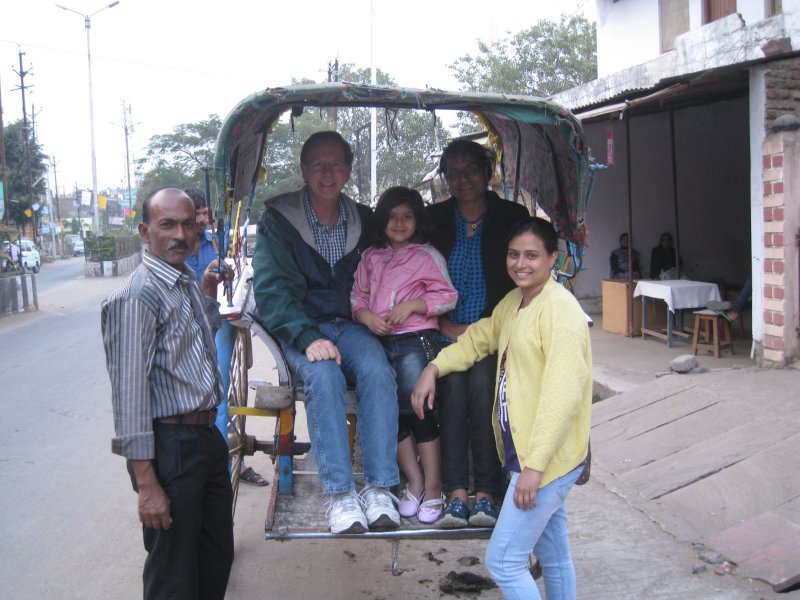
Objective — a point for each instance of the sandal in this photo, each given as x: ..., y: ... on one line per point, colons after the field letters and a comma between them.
x: 251, y: 477
x: 409, y: 504
x: 431, y: 511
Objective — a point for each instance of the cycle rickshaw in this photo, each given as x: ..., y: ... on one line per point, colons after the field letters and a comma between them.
x: 542, y: 155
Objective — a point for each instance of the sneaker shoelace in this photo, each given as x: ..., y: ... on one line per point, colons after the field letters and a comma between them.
x: 375, y: 494
x: 347, y: 501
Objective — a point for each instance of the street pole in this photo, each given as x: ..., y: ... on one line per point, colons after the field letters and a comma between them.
x: 125, y: 114
x: 87, y: 19
x: 3, y: 163
x: 373, y: 114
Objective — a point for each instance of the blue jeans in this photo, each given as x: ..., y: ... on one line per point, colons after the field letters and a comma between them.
x: 541, y: 531
x: 409, y: 354
x: 744, y: 296
x: 364, y: 364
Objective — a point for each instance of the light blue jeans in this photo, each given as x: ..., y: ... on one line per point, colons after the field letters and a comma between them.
x: 541, y: 531
x: 324, y: 383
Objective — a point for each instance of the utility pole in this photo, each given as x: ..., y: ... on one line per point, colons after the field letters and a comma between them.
x: 78, y: 200
x: 55, y: 184
x: 333, y: 75
x: 126, y: 114
x: 26, y: 136
x: 3, y: 181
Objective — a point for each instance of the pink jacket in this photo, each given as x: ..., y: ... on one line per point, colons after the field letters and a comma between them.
x: 414, y: 271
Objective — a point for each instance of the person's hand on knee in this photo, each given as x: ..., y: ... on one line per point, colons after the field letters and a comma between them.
x: 323, y: 349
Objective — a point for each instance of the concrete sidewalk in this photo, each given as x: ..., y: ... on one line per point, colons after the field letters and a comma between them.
x: 709, y: 457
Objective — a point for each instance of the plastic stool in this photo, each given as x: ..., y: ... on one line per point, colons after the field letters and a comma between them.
x: 716, y: 332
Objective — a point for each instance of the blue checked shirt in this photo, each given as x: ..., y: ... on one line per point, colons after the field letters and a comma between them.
x: 331, y: 242
x: 466, y: 273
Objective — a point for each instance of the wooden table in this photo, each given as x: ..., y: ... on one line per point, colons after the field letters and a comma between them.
x: 678, y: 294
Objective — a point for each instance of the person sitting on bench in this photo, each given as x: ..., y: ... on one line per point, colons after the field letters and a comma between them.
x: 308, y: 248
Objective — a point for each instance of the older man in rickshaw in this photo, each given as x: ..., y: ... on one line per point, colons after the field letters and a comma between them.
x: 309, y: 245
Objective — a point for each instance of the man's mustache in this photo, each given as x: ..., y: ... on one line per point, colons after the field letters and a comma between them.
x: 179, y: 246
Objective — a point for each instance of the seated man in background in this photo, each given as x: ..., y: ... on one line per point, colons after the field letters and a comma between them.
x: 619, y: 260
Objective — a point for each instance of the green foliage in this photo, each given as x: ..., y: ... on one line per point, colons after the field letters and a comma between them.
x: 20, y: 158
x: 178, y: 157
x: 542, y: 60
x: 110, y: 246
x: 406, y: 139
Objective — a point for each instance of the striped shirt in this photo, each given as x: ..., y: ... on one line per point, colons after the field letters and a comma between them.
x: 160, y: 354
x: 330, y: 242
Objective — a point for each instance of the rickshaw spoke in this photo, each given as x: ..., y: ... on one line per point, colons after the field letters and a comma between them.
x: 237, y: 397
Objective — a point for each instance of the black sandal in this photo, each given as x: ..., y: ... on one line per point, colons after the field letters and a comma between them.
x: 253, y: 478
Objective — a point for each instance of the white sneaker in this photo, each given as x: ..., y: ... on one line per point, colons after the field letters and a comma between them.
x: 346, y: 514
x: 379, y: 508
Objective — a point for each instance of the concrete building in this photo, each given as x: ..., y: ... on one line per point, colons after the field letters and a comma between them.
x: 695, y: 111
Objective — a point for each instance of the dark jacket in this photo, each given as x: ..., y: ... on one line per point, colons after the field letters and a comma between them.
x: 501, y: 216
x: 618, y: 262
x: 294, y: 287
x: 662, y: 259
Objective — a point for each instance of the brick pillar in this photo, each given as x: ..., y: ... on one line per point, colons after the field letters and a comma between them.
x: 781, y: 162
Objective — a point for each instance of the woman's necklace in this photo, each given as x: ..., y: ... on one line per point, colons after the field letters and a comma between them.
x: 474, y: 224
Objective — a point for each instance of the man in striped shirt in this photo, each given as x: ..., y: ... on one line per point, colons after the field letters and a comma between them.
x: 165, y: 382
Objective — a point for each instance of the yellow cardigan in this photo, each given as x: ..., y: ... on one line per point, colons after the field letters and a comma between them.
x: 549, y: 376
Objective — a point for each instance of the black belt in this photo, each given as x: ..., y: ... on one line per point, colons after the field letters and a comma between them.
x: 206, y: 418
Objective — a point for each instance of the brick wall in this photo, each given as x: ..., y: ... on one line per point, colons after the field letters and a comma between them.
x: 782, y: 81
x: 781, y: 163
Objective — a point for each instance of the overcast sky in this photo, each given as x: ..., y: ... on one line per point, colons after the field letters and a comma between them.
x: 178, y: 61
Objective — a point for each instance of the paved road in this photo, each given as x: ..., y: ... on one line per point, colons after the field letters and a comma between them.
x: 69, y: 524
x: 58, y: 273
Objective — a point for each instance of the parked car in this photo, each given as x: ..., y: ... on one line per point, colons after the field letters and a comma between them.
x: 76, y: 242
x: 29, y: 256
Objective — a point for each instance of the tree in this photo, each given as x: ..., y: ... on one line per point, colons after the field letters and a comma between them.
x: 178, y: 157
x: 25, y: 163
x: 542, y: 60
x: 406, y: 139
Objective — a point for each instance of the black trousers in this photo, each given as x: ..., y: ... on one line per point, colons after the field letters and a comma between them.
x: 191, y: 560
x: 465, y: 424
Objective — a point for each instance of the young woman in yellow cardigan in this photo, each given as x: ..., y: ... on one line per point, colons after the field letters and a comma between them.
x: 542, y: 410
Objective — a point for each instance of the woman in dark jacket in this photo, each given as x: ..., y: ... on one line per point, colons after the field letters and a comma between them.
x: 472, y: 228
x: 662, y: 258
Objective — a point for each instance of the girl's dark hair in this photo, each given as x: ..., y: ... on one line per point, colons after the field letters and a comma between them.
x: 539, y: 227
x: 484, y: 157
x: 390, y: 199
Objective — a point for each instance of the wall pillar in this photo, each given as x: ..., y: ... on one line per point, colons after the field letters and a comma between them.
x: 781, y: 276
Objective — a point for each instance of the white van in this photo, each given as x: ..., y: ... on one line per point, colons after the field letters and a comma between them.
x: 29, y: 256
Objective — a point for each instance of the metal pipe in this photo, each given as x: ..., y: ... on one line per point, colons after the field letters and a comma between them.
x: 87, y: 19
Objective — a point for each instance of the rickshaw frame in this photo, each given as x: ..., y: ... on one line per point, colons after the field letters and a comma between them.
x: 541, y: 149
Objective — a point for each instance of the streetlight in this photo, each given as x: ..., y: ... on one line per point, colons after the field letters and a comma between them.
x: 87, y: 19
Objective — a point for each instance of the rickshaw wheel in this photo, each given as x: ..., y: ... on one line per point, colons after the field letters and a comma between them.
x: 241, y: 359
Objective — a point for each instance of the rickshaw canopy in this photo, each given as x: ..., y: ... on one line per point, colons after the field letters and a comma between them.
x: 540, y: 145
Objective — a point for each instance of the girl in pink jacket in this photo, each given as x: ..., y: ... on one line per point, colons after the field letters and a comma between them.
x: 401, y: 287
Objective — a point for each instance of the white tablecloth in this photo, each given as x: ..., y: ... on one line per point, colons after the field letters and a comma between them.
x: 678, y: 293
